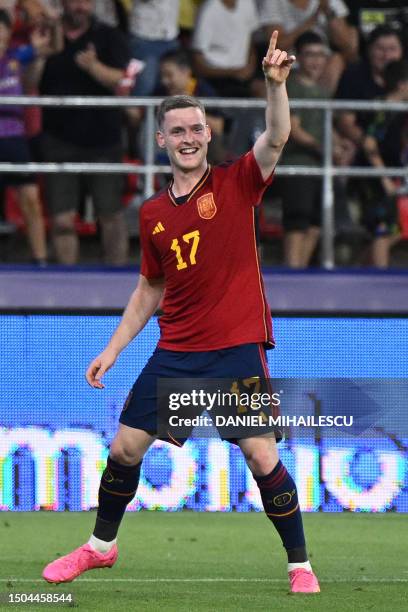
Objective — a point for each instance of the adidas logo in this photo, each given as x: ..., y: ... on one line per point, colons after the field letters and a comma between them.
x: 159, y: 228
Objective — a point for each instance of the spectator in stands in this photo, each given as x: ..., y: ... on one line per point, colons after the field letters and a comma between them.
x: 325, y: 17
x: 187, y: 19
x: 13, y: 143
x: 154, y: 29
x: 385, y: 144
x: 365, y: 80
x: 92, y: 63
x: 35, y: 16
x: 177, y: 78
x: 223, y: 50
x: 366, y: 15
x: 113, y: 12
x: 301, y: 195
x: 28, y: 14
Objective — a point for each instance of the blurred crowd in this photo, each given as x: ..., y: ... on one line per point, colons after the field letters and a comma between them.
x: 347, y: 50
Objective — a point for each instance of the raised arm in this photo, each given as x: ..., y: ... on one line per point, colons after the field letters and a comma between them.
x: 141, y: 306
x: 268, y: 147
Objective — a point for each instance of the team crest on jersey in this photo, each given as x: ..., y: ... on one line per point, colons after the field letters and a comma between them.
x: 206, y: 206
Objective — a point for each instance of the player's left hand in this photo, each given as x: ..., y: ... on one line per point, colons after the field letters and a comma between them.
x: 276, y: 64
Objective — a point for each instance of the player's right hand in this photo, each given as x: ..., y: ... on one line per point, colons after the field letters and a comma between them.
x: 98, y: 367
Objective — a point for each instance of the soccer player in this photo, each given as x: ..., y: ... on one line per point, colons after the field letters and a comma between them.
x: 199, y: 251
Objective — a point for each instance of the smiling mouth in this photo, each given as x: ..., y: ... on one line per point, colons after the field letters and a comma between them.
x: 188, y: 150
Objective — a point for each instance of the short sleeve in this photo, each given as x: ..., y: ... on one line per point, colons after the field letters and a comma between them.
x: 151, y: 266
x: 247, y: 175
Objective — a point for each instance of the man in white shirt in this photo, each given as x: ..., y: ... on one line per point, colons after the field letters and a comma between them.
x: 327, y: 18
x: 222, y: 44
x: 154, y: 29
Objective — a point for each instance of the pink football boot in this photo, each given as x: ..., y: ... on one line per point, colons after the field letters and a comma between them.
x: 303, y: 581
x: 80, y: 560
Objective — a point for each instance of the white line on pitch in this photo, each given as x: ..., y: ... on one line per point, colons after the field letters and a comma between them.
x: 147, y: 580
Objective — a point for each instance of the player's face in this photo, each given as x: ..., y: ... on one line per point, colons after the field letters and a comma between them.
x: 185, y: 135
x: 312, y: 60
x: 174, y: 78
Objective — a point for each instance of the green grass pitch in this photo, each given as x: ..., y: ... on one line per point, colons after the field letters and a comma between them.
x: 189, y: 561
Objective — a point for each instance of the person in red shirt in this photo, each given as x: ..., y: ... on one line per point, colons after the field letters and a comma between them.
x: 199, y: 254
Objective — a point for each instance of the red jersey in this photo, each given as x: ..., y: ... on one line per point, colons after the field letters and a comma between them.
x: 206, y: 251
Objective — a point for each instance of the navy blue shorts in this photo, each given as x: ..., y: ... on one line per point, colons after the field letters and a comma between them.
x: 239, y: 362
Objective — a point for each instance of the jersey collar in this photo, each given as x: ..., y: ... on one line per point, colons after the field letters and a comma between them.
x: 186, y: 198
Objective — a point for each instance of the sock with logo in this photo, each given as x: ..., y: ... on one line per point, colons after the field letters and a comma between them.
x: 117, y: 488
x: 280, y: 501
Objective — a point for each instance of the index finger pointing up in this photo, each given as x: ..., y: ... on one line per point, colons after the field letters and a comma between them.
x: 272, y: 44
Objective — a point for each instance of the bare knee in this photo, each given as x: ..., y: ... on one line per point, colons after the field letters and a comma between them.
x: 260, y: 456
x: 261, y: 463
x: 123, y: 455
x: 130, y: 445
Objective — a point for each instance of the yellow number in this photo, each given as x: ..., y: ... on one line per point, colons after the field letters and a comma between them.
x: 235, y: 390
x: 196, y: 239
x: 256, y: 383
x: 195, y: 236
x: 176, y: 247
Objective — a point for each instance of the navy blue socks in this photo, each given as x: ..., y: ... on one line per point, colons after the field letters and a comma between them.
x: 117, y: 488
x: 280, y: 501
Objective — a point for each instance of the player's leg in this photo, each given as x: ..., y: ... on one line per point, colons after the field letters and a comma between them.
x: 117, y: 488
x: 280, y: 501
x: 120, y: 478
x: 118, y: 484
